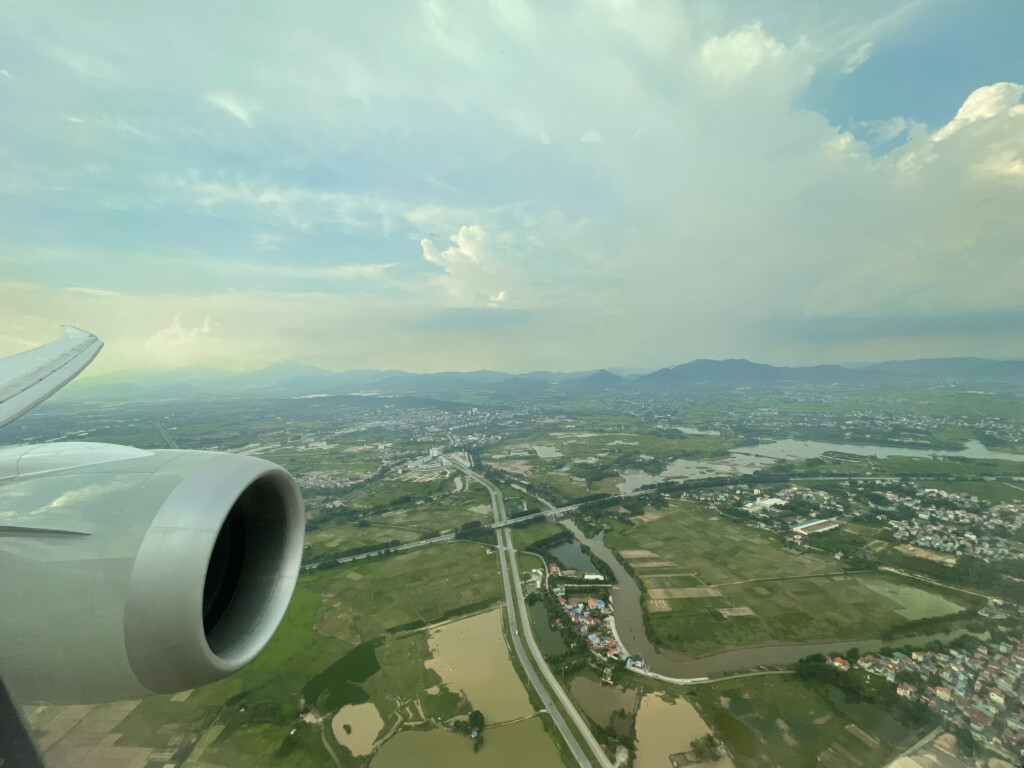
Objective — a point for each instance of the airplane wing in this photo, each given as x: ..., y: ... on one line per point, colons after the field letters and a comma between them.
x: 28, y: 378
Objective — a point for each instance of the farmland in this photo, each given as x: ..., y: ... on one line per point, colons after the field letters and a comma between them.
x: 336, y: 649
x: 781, y: 721
x: 710, y: 584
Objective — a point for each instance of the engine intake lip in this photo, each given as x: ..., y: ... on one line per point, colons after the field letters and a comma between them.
x: 214, y: 574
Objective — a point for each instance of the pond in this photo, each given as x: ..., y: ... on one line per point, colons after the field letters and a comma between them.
x: 549, y: 640
x: 573, y: 556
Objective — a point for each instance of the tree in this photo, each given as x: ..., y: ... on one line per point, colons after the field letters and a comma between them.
x: 705, y: 748
x: 476, y: 720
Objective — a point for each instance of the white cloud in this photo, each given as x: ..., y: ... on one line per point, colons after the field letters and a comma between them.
x: 748, y: 53
x: 590, y: 137
x: 858, y: 57
x: 233, y: 107
x: 469, y: 244
x: 983, y: 104
x: 177, y: 343
x: 5, y: 73
x: 380, y: 135
x: 471, y: 267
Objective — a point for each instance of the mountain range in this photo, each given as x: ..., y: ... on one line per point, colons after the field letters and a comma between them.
x: 297, y: 380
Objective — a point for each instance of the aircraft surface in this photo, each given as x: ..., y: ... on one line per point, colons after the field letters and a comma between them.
x: 127, y: 572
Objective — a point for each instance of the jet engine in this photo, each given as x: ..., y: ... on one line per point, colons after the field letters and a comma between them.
x: 126, y: 572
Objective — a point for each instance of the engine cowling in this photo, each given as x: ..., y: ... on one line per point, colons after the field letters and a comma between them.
x: 126, y: 572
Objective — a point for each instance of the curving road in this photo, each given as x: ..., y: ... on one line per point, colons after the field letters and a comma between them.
x: 521, y: 630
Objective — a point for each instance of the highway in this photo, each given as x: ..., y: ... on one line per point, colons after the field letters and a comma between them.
x: 521, y: 630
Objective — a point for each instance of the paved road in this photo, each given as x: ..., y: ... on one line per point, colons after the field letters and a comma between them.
x: 521, y: 631
x: 364, y: 555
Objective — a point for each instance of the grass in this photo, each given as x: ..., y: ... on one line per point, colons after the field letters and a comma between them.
x: 780, y: 721
x: 337, y: 685
x: 994, y: 492
x: 323, y: 653
x: 713, y: 549
x: 424, y: 584
x: 409, y: 523
x: 537, y: 530
x: 794, y: 597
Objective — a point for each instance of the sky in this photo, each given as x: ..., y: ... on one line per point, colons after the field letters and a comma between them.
x: 512, y: 185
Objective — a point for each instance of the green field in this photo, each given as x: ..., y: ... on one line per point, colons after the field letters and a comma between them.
x: 714, y: 549
x: 792, y: 597
x: 331, y: 649
x: 424, y: 584
x: 780, y: 721
x: 994, y: 492
x: 537, y: 530
x: 408, y: 522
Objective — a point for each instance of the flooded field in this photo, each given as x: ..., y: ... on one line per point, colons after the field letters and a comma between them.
x: 549, y: 640
x: 916, y: 603
x: 363, y: 723
x: 600, y: 700
x: 751, y: 458
x: 664, y: 729
x: 510, y: 746
x: 470, y: 656
x: 546, y: 452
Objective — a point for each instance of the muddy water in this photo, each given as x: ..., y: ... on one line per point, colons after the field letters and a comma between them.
x: 364, y: 722
x: 470, y: 656
x: 600, y: 700
x: 509, y: 746
x: 664, y: 729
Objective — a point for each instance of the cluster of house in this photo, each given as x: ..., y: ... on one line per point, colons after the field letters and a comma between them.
x: 957, y: 524
x: 572, y: 573
x: 979, y: 690
x: 587, y: 618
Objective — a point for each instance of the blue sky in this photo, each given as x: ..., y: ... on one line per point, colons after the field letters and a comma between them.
x: 512, y: 185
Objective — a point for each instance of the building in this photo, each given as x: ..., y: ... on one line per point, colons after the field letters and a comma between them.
x: 816, y: 526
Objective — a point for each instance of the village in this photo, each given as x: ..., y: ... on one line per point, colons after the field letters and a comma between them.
x: 588, y: 617
x: 945, y: 523
x: 979, y: 690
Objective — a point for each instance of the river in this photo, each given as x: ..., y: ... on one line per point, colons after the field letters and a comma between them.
x: 629, y: 625
x: 753, y: 457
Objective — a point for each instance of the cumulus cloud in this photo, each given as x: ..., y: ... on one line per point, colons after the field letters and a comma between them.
x: 983, y: 104
x: 415, y: 165
x: 177, y: 335
x: 748, y: 54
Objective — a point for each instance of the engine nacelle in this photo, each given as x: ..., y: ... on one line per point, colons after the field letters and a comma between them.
x: 126, y: 572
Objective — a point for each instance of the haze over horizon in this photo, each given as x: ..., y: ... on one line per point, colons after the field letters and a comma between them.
x: 513, y: 186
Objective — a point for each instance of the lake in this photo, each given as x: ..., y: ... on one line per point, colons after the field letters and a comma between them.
x: 750, y: 458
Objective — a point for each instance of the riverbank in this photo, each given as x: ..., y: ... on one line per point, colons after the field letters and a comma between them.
x: 631, y: 634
